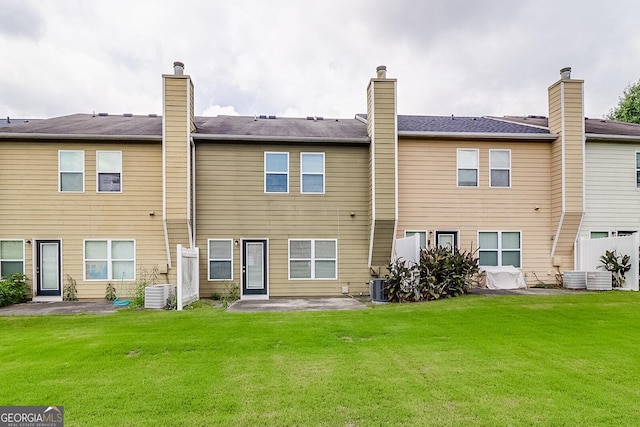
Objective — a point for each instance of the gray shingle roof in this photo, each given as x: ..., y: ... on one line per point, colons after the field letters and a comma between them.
x: 89, y: 124
x: 592, y: 126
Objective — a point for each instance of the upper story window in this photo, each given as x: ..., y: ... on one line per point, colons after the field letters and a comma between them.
x: 467, y: 167
x: 276, y: 172
x: 71, y: 171
x: 220, y: 259
x: 500, y: 168
x: 11, y: 257
x: 109, y: 171
x: 109, y: 259
x: 312, y: 173
x: 499, y: 248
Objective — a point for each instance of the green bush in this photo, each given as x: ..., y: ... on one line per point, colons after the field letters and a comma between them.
x: 13, y: 290
x: 441, y: 273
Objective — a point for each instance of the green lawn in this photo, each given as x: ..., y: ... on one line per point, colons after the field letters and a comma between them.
x: 521, y: 360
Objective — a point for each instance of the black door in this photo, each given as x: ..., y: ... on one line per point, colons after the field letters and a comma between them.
x: 48, y: 267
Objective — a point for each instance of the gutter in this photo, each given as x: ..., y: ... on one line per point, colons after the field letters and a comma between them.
x: 279, y: 138
x: 617, y: 138
x: 80, y: 136
x: 480, y: 135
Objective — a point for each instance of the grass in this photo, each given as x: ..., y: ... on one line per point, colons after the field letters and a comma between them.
x: 521, y: 360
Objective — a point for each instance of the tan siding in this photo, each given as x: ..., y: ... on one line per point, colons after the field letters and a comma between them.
x: 429, y: 199
x: 37, y: 210
x: 232, y: 204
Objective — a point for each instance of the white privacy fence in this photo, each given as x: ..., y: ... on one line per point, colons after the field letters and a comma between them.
x: 188, y: 276
x: 589, y: 251
x: 408, y: 249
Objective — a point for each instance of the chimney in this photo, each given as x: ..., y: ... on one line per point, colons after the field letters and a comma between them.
x: 381, y: 71
x: 565, y: 73
x: 178, y: 68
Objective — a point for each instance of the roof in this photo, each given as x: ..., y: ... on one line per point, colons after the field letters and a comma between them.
x: 592, y: 126
x: 90, y: 125
x: 270, y: 127
x: 459, y: 124
x: 10, y: 121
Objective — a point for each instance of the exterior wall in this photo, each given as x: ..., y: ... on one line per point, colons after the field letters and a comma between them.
x: 566, y: 118
x: 429, y: 198
x: 33, y: 208
x: 612, y: 199
x: 232, y: 204
x: 382, y: 128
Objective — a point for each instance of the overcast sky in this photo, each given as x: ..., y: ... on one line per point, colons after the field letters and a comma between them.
x: 300, y: 58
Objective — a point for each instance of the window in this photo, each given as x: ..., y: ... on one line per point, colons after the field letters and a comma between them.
x: 109, y: 170
x: 500, y: 168
x: 422, y: 234
x: 467, y: 167
x: 71, y: 171
x: 11, y: 257
x: 109, y: 259
x: 276, y: 172
x: 599, y: 234
x: 220, y: 259
x: 312, y: 173
x: 637, y: 169
x: 312, y: 259
x: 499, y: 248
x: 447, y: 239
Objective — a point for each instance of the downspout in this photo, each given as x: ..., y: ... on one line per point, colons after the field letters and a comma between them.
x: 192, y: 234
x: 164, y: 179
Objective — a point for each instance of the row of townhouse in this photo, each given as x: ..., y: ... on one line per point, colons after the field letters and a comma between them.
x: 287, y: 207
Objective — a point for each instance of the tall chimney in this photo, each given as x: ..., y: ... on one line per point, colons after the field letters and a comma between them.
x: 178, y: 68
x: 381, y: 71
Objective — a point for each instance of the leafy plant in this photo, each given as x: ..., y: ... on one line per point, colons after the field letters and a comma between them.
x: 230, y: 295
x: 110, y: 294
x: 70, y: 290
x: 617, y: 265
x: 14, y: 289
x: 146, y: 277
x: 441, y: 273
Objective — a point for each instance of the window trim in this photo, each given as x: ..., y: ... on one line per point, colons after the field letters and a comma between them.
x: 266, y: 153
x: 499, y: 249
x: 60, y: 172
x: 303, y: 173
x: 448, y: 231
x: 637, y: 171
x: 491, y: 168
x: 312, y: 259
x: 458, y: 151
x: 426, y: 236
x: 13, y: 259
x: 209, y: 259
x: 98, y: 171
x: 109, y: 260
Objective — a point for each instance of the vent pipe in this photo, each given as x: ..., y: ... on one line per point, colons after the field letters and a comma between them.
x: 178, y: 68
x: 565, y: 73
x: 381, y: 71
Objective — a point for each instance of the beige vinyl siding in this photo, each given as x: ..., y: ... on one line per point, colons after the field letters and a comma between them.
x: 232, y: 204
x: 428, y: 198
x: 574, y: 145
x: 176, y: 146
x: 33, y: 208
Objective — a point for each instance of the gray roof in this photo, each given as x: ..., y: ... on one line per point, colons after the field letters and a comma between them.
x: 90, y: 124
x: 278, y: 127
x: 591, y: 126
x: 10, y: 121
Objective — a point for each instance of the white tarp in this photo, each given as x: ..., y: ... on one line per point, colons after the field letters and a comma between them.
x: 408, y: 249
x: 506, y: 277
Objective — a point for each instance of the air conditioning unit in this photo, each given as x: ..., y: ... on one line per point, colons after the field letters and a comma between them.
x: 156, y: 296
x: 574, y: 279
x: 599, y: 281
x: 378, y: 291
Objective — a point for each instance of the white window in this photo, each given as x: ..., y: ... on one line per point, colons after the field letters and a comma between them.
x: 500, y: 168
x: 499, y: 248
x: 313, y: 259
x: 11, y: 257
x: 599, y: 234
x: 109, y: 259
x: 109, y: 171
x: 637, y: 169
x: 312, y: 173
x: 422, y: 234
x: 467, y: 167
x: 220, y: 259
x: 71, y: 171
x: 276, y: 172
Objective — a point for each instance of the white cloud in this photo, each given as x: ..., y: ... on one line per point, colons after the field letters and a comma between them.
x: 217, y: 110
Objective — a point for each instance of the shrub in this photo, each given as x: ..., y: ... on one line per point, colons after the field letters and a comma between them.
x: 441, y: 273
x: 110, y: 293
x: 70, y: 291
x: 617, y: 265
x: 146, y: 277
x: 13, y: 290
